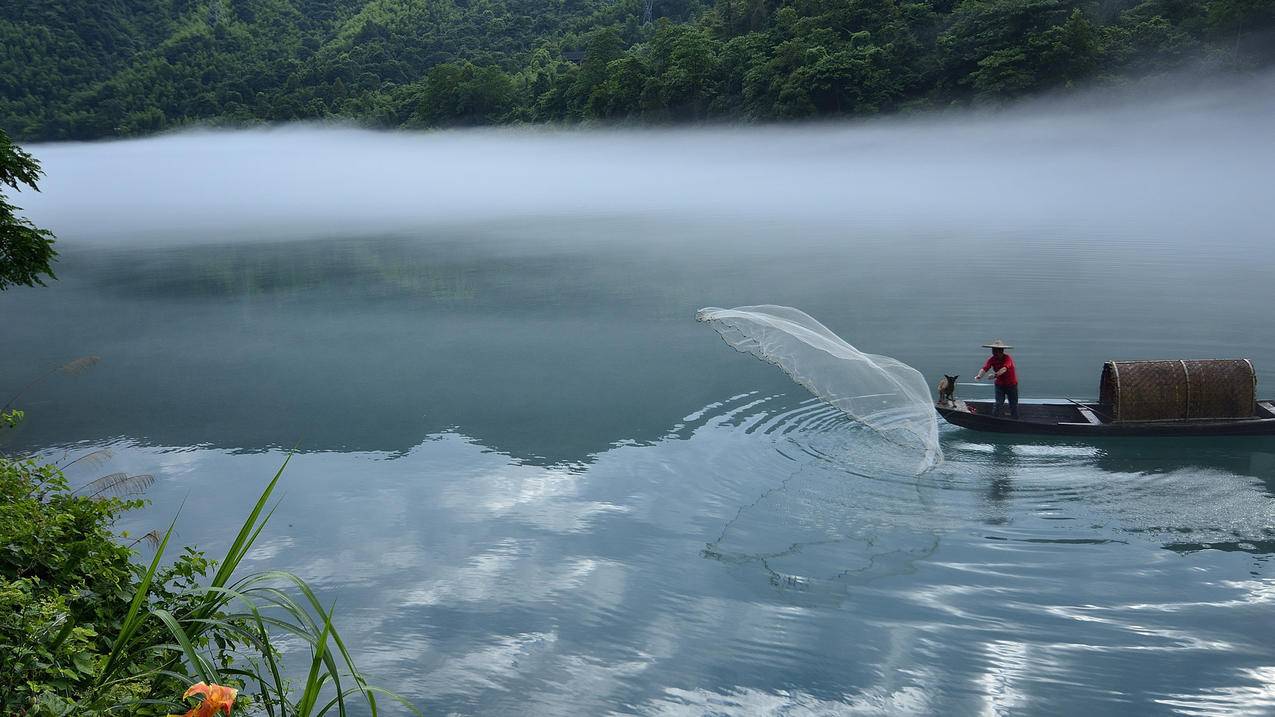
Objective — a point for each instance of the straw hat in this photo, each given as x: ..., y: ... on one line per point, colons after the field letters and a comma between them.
x: 997, y: 344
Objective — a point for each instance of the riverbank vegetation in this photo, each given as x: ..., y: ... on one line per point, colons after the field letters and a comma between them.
x: 78, y: 70
x: 26, y: 251
x: 86, y: 629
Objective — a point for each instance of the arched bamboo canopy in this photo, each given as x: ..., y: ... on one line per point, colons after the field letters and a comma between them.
x: 1178, y: 390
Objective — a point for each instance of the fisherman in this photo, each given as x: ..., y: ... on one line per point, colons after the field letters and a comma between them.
x: 1001, y: 365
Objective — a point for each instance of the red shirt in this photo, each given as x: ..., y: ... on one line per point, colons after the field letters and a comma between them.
x: 1010, y: 377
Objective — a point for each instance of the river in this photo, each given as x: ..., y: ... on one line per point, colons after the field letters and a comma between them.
x: 533, y: 484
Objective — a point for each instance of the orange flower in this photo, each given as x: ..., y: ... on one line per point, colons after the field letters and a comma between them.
x: 216, y: 698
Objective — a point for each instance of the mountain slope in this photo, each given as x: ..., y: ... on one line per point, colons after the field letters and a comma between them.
x: 74, y: 69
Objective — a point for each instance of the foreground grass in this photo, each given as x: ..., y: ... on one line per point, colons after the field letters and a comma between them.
x: 87, y: 630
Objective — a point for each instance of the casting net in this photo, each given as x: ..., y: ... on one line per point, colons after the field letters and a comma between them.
x: 880, y: 392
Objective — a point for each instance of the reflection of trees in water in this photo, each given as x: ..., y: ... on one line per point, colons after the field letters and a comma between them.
x: 1248, y: 456
x: 1241, y: 545
x: 1208, y: 507
x: 376, y: 267
x: 1183, y: 494
x: 1251, y: 457
x: 849, y: 511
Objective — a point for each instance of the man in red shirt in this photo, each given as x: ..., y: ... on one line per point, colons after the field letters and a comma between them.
x: 1001, y: 365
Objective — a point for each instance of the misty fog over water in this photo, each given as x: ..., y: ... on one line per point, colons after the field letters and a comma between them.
x: 1199, y: 163
x: 534, y: 485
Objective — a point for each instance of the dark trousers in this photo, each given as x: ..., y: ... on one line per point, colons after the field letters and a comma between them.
x: 1004, y: 392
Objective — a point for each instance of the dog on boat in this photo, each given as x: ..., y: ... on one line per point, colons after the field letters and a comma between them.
x: 947, y: 390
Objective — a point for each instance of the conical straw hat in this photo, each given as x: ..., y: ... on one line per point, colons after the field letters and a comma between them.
x: 997, y: 344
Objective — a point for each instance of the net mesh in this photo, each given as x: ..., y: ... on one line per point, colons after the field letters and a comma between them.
x: 880, y: 392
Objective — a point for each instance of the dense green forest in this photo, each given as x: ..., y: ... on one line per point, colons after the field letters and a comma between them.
x: 75, y: 69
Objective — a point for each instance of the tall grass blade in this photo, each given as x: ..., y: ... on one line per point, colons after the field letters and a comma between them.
x: 101, y: 455
x: 336, y: 637
x: 305, y: 626
x: 248, y: 532
x: 117, y: 484
x: 64, y: 633
x: 79, y: 365
x: 242, y: 616
x: 71, y: 367
x: 151, y: 538
x: 197, y: 661
x: 315, y: 679
x: 132, y: 620
x: 96, y: 485
x: 267, y: 700
x: 370, y: 689
x: 261, y: 638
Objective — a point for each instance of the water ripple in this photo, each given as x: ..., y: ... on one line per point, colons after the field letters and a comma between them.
x: 767, y: 556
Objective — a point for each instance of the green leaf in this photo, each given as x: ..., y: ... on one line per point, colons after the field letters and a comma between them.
x: 85, y: 663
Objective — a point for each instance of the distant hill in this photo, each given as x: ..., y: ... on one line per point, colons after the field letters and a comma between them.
x: 82, y: 69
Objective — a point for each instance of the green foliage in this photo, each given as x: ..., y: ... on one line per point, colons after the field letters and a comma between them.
x: 462, y: 94
x: 84, y: 629
x: 70, y: 69
x: 64, y: 583
x: 26, y: 252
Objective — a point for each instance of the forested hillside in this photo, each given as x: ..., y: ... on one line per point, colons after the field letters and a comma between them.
x: 78, y: 69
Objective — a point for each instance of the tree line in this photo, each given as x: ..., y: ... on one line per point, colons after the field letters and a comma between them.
x: 80, y: 70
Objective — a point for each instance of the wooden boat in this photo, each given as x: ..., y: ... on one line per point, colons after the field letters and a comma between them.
x: 1141, y: 398
x: 1090, y: 419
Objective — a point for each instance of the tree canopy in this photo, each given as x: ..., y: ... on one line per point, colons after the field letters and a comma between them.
x: 74, y: 69
x: 26, y: 252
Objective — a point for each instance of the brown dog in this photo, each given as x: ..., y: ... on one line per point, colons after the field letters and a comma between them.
x: 947, y: 390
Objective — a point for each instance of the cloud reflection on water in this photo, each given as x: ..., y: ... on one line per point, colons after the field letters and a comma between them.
x: 460, y: 588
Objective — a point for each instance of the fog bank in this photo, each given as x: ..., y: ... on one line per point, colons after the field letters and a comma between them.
x: 1196, y: 162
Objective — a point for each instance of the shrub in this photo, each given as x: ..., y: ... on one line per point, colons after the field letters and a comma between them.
x: 86, y: 630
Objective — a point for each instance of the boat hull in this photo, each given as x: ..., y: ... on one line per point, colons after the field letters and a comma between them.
x: 1067, y: 419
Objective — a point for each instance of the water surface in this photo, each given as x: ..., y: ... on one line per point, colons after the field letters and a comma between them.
x: 534, y: 485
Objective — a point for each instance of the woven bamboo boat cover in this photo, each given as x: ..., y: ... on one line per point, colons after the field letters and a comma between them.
x: 1178, y: 390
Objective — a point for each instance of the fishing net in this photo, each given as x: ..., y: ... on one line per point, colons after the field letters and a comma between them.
x: 879, y: 392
